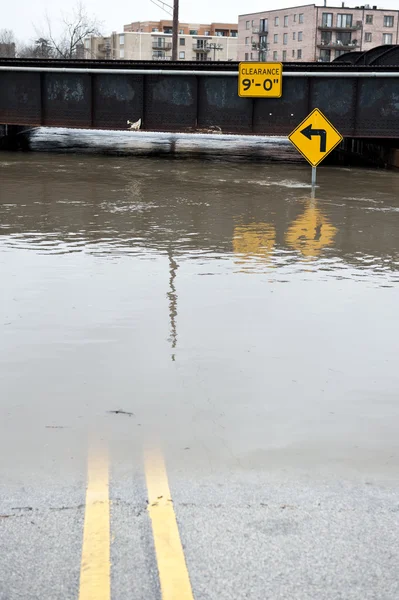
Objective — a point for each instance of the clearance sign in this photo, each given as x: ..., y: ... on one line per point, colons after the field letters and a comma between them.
x: 260, y: 80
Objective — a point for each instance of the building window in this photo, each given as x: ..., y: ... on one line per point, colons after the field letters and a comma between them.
x: 325, y: 55
x: 294, y: 35
x: 246, y: 56
x: 369, y: 19
x: 263, y: 25
x: 193, y: 31
x: 121, y: 39
x: 285, y: 39
x: 339, y: 53
x: 388, y: 21
x: 275, y: 55
x: 344, y: 20
x: 293, y: 54
x: 252, y: 56
x: 294, y: 18
x: 276, y: 21
x: 202, y: 43
x: 368, y: 37
x: 182, y: 41
x: 232, y: 33
x: 387, y: 38
x: 121, y: 53
x: 299, y: 53
x: 247, y: 24
x: 275, y: 38
x: 301, y: 17
x: 155, y: 30
x: 181, y: 31
x: 263, y: 43
x: 253, y: 23
x: 327, y: 20
x: 299, y: 36
x: 344, y: 38
x: 247, y: 41
x: 182, y: 54
x: 286, y: 21
x: 326, y: 38
x: 284, y: 55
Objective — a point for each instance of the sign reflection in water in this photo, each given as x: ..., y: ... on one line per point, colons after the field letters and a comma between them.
x: 254, y: 241
x: 311, y: 231
x: 309, y: 234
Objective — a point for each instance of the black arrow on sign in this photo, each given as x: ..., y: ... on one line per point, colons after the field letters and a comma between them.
x: 309, y: 133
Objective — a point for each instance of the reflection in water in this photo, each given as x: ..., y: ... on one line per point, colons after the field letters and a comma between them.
x: 254, y: 241
x: 311, y: 231
x: 172, y: 296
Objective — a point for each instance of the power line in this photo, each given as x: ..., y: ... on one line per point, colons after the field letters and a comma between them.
x: 162, y: 5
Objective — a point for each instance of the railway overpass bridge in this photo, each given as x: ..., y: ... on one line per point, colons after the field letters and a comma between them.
x: 361, y: 100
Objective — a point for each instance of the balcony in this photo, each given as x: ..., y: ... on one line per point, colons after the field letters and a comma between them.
x: 204, y: 48
x: 156, y: 57
x: 355, y: 27
x: 338, y: 45
x: 165, y: 46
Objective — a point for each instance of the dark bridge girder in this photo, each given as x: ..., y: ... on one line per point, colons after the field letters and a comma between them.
x: 365, y: 107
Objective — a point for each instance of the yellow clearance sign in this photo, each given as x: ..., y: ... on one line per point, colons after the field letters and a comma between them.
x: 260, y: 80
x: 315, y: 137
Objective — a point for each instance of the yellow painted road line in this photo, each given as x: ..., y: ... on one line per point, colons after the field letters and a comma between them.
x: 95, y: 569
x: 172, y: 569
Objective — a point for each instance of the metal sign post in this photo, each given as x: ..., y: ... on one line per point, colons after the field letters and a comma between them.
x: 314, y: 176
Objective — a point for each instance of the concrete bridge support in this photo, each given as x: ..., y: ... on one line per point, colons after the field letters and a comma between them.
x: 14, y: 137
x: 382, y: 153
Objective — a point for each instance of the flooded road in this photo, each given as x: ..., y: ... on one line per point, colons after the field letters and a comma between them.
x: 212, y: 312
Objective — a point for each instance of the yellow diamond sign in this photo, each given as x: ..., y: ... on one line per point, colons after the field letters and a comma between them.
x: 315, y: 137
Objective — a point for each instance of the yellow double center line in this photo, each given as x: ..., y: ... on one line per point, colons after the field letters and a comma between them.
x: 95, y: 574
x: 172, y: 569
x: 95, y: 571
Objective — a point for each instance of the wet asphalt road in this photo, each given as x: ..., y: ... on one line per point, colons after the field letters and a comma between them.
x: 252, y: 333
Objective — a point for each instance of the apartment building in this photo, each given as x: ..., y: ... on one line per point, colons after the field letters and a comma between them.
x: 314, y: 33
x: 212, y: 29
x: 152, y: 40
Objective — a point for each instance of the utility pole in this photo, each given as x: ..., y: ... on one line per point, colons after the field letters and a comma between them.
x: 175, y: 31
x: 214, y: 47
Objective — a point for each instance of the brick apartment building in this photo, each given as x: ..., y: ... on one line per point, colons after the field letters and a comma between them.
x: 314, y: 33
x: 152, y: 40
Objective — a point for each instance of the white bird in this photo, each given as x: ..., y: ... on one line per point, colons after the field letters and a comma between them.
x: 135, y: 126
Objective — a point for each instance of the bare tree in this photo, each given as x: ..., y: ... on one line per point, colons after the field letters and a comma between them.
x: 7, y: 43
x: 77, y: 26
x: 41, y: 48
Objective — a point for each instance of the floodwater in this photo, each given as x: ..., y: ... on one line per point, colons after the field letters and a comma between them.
x: 186, y: 289
x: 190, y: 295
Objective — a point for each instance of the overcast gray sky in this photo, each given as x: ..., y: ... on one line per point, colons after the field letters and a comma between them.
x: 23, y: 15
